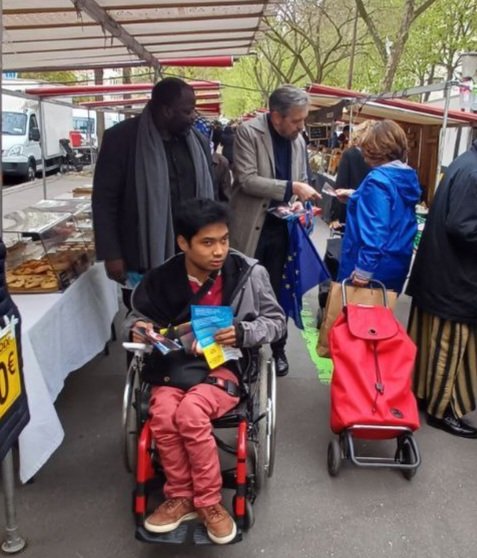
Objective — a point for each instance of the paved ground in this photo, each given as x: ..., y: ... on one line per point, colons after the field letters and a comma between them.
x: 80, y: 503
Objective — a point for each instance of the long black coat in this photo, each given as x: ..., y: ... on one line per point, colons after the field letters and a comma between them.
x: 115, y: 212
x: 17, y: 416
x: 444, y: 277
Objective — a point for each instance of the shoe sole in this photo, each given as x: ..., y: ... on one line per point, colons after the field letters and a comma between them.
x: 223, y: 540
x: 170, y: 526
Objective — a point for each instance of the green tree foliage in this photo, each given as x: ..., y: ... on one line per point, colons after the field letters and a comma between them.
x: 64, y: 77
x: 432, y: 52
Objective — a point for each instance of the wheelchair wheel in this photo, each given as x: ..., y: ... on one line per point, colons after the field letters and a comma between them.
x: 266, y: 424
x: 271, y: 415
x: 129, y: 418
x: 247, y: 521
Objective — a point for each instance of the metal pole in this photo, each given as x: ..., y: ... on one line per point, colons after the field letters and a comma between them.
x: 91, y: 133
x: 42, y: 144
x: 442, y: 133
x: 13, y: 541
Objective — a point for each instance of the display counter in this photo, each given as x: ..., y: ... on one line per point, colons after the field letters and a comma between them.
x: 61, y: 332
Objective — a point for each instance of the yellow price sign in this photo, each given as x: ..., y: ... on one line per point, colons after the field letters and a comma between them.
x: 10, y: 386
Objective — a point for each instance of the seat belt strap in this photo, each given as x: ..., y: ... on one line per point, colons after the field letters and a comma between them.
x: 227, y: 385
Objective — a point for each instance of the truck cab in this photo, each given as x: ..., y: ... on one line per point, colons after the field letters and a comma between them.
x: 21, y: 153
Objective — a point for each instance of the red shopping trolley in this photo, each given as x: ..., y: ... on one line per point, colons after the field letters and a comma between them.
x: 371, y: 395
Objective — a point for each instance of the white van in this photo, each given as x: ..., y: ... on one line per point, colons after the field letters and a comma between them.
x: 22, y: 125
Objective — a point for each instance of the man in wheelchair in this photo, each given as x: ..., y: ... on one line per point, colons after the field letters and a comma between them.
x: 186, y: 395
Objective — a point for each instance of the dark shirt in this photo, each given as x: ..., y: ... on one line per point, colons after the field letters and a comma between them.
x: 181, y: 171
x: 282, y: 152
x: 352, y: 170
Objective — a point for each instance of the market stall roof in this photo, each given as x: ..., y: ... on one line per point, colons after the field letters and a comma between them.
x: 365, y: 106
x: 85, y: 90
x: 84, y: 34
x: 207, y: 93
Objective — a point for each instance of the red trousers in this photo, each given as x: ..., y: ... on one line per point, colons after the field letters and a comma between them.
x: 182, y: 431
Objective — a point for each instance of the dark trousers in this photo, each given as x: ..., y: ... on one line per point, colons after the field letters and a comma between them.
x: 272, y: 252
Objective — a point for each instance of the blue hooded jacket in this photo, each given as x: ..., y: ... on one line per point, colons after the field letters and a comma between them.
x: 381, y: 225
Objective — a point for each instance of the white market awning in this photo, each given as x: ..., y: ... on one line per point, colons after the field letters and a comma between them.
x: 50, y: 35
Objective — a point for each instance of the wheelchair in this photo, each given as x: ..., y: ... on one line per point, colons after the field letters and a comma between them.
x: 251, y: 453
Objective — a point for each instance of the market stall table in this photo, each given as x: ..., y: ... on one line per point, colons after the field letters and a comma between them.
x: 60, y: 333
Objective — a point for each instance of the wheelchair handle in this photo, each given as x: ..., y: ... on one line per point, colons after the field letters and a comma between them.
x: 380, y: 285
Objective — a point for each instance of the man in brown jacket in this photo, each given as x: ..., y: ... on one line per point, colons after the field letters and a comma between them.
x: 270, y: 167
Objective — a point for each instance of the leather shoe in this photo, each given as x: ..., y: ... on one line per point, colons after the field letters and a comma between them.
x: 281, y: 363
x: 453, y: 425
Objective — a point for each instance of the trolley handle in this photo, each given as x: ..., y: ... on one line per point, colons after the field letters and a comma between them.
x: 380, y: 286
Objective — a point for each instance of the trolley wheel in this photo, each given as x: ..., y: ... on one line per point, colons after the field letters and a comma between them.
x: 334, y: 457
x: 406, y: 456
x: 319, y: 317
x: 130, y: 418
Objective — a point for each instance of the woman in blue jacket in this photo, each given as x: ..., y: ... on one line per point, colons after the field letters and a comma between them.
x: 381, y: 221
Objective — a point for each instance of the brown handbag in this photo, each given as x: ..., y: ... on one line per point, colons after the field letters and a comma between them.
x: 334, y: 304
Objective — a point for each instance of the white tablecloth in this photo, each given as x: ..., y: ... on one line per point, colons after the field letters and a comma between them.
x: 60, y: 333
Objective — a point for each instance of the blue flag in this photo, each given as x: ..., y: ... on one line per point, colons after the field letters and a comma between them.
x: 303, y: 270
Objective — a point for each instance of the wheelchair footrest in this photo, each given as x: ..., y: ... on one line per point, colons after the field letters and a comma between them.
x: 190, y: 532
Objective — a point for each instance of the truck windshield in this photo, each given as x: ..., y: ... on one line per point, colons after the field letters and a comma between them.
x: 14, y: 123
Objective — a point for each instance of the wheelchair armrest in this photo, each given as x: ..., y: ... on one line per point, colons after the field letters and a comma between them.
x: 137, y: 347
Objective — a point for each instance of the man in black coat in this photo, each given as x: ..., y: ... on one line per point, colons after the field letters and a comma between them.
x: 146, y: 167
x: 443, y: 285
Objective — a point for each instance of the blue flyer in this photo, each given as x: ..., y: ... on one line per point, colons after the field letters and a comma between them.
x: 206, y: 321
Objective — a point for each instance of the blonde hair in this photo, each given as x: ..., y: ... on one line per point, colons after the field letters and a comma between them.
x: 384, y: 141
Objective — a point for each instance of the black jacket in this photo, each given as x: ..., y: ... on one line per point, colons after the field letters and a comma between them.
x: 227, y: 140
x: 17, y: 416
x: 115, y: 213
x: 444, y: 277
x: 352, y: 170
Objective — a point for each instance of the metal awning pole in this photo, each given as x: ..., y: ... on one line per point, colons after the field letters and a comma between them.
x: 442, y: 133
x: 42, y: 144
x: 13, y: 541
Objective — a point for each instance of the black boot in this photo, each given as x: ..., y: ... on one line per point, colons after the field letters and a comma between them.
x: 281, y: 362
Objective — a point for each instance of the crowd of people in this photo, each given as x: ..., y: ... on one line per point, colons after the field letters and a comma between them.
x: 185, y: 223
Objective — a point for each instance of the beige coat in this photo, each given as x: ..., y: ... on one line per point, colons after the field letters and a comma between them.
x: 255, y: 184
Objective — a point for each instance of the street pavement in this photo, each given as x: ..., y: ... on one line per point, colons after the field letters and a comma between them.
x: 79, y: 505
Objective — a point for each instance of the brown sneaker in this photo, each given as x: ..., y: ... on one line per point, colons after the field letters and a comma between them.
x: 169, y: 515
x: 220, y: 526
